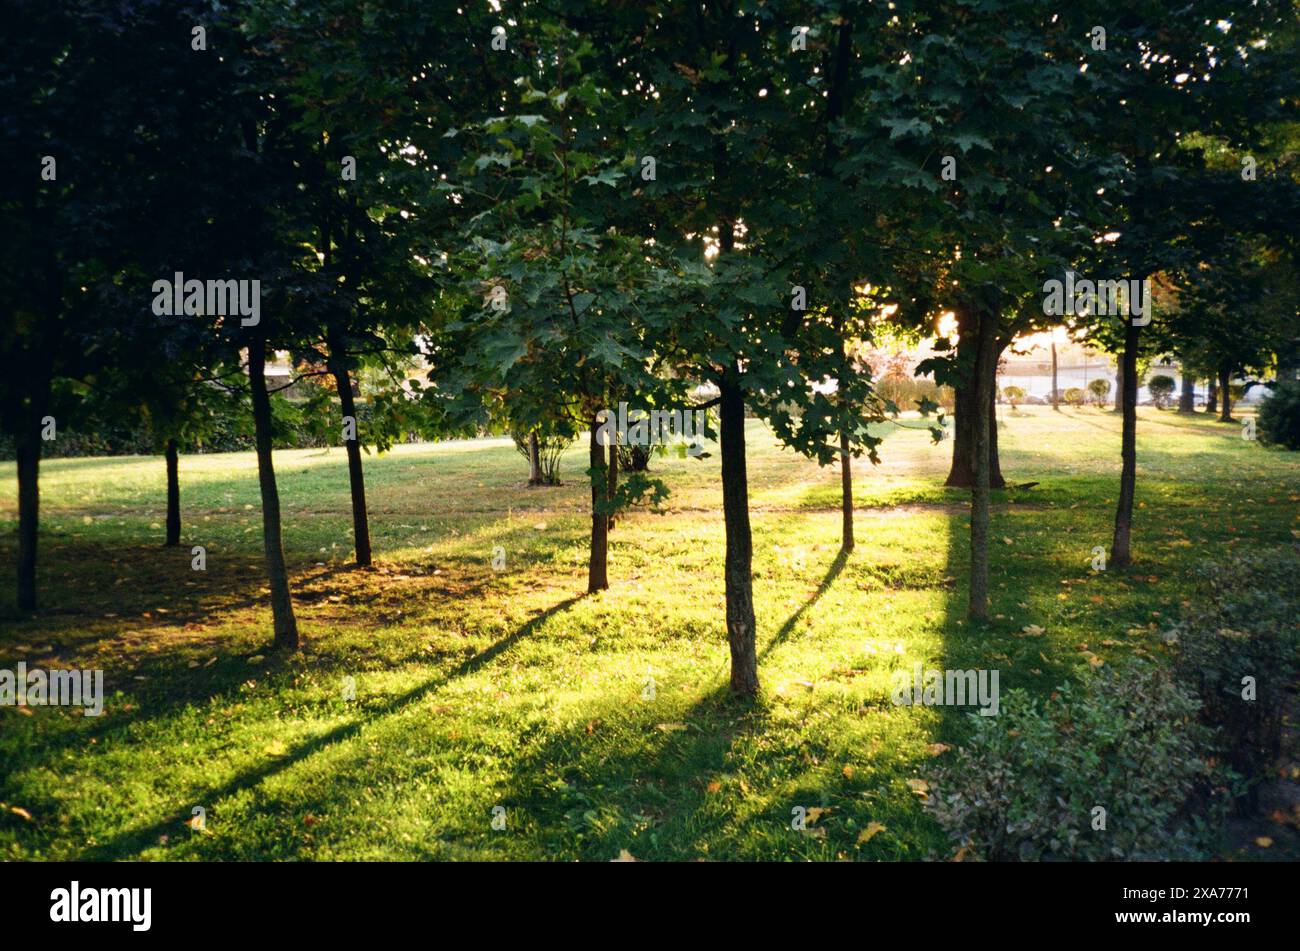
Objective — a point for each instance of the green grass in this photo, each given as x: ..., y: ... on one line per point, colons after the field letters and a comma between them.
x: 476, y: 689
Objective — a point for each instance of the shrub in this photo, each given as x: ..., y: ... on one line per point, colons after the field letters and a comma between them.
x: 550, y: 447
x: 1161, y: 387
x: 1013, y: 395
x: 1026, y: 785
x: 1279, y: 416
x: 1100, y: 389
x: 634, y: 458
x: 1244, y: 624
x: 1073, y: 396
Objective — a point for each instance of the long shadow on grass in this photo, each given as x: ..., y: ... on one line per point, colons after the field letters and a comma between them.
x: 133, y: 841
x: 832, y: 573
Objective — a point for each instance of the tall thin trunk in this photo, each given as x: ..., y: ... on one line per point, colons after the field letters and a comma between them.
x: 1120, y: 553
x: 356, y: 475
x: 1056, y: 399
x: 846, y: 494
x: 597, y: 576
x: 173, y: 494
x: 741, y: 625
x: 978, y: 607
x: 1119, y: 384
x: 286, y: 625
x: 534, y: 460
x: 611, y: 479
x: 28, y: 451
x: 1225, y: 396
x: 1187, y: 397
x: 846, y: 459
x: 1212, y: 397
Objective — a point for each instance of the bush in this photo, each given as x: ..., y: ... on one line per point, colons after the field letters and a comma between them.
x: 1100, y: 389
x: 1073, y: 396
x: 1244, y: 624
x: 1279, y: 416
x: 1026, y: 785
x: 550, y: 447
x: 634, y: 458
x: 1161, y: 387
x: 1013, y: 395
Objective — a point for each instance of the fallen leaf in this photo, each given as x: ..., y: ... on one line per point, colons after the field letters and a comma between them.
x: 870, y: 832
x: 1263, y: 842
x: 937, y: 749
x: 21, y: 812
x: 625, y: 856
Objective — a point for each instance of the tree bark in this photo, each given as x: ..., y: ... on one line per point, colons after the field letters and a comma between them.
x: 1056, y: 400
x: 981, y: 432
x: 286, y: 625
x: 534, y: 460
x: 846, y: 458
x: 611, y: 483
x: 173, y: 495
x: 846, y: 495
x: 1119, y: 383
x: 597, y: 576
x: 739, y: 560
x: 28, y: 452
x: 1225, y: 396
x: 356, y: 475
x: 1120, y: 553
x: 960, y: 473
x: 1187, y: 397
x: 1212, y: 397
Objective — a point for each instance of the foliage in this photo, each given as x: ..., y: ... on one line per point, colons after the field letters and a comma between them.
x: 550, y: 447
x: 1279, y: 416
x: 1073, y: 396
x: 1100, y: 389
x: 1027, y: 784
x: 1244, y: 622
x: 1013, y: 395
x: 1161, y: 387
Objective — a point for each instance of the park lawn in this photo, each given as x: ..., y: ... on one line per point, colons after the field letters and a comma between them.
x: 599, y: 724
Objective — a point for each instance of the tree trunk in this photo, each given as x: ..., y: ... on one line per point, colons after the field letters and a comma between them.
x: 1120, y: 554
x: 1212, y: 397
x: 846, y: 459
x: 597, y: 577
x: 356, y: 475
x: 1187, y: 398
x: 173, y: 495
x: 846, y: 495
x: 739, y: 573
x: 1056, y: 400
x: 1225, y: 396
x: 28, y: 451
x: 961, y: 474
x: 1119, y: 384
x: 534, y: 460
x: 286, y: 625
x: 611, y: 482
x: 981, y: 435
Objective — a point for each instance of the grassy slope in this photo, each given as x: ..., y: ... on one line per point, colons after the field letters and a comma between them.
x: 476, y: 689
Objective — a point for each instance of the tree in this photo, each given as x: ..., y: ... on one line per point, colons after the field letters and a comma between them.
x: 1100, y: 389
x: 1161, y: 387
x: 91, y: 91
